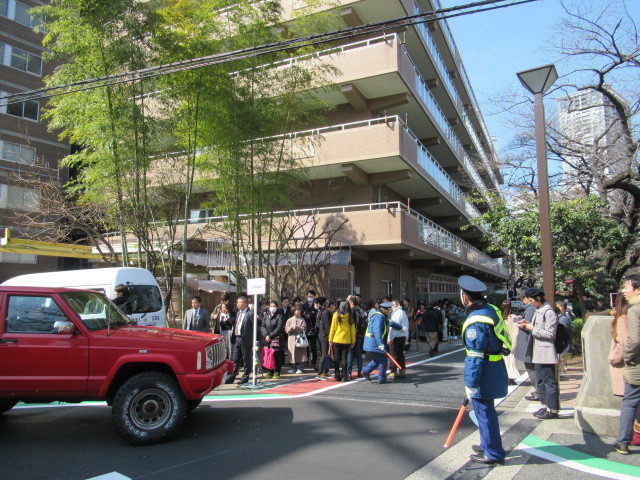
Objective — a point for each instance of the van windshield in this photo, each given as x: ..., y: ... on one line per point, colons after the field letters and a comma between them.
x: 144, y: 298
x: 95, y: 311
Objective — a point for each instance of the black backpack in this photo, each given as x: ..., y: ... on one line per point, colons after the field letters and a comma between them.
x: 562, y: 338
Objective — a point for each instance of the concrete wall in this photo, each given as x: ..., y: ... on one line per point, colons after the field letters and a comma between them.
x: 597, y: 410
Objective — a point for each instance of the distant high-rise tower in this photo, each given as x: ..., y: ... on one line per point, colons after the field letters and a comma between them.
x: 590, y: 138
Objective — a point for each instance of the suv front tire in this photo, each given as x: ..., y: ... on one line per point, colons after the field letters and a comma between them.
x: 149, y: 408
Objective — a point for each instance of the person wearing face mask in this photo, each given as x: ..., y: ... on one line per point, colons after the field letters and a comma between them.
x: 310, y: 314
x: 273, y: 334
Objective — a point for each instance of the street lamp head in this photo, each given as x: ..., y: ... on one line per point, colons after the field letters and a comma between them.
x: 539, y: 79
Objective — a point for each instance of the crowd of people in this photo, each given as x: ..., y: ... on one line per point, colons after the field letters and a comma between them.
x: 327, y: 336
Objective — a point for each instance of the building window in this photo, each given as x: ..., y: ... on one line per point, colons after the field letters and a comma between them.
x: 20, y: 13
x: 6, y: 257
x: 28, y: 109
x: 18, y: 198
x: 17, y: 153
x: 26, y: 61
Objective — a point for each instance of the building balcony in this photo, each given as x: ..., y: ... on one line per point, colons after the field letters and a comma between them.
x: 383, y: 151
x: 428, y: 47
x: 388, y: 231
x: 379, y: 75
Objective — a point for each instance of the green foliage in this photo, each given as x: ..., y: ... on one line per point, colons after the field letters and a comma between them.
x: 583, y: 238
x: 576, y: 339
x: 152, y: 149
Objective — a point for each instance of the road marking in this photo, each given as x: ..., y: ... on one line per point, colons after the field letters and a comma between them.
x: 110, y: 476
x: 577, y: 460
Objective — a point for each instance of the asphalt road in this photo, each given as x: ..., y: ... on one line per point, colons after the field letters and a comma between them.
x: 359, y: 430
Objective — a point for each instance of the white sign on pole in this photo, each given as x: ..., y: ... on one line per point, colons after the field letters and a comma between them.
x: 256, y: 286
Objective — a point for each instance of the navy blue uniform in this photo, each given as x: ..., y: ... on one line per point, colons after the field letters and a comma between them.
x: 484, y: 369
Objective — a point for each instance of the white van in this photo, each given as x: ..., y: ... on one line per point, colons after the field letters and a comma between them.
x: 144, y: 292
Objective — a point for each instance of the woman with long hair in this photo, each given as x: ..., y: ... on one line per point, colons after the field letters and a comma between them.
x: 342, y: 336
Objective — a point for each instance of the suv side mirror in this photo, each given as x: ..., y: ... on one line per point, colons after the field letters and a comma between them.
x: 66, y: 328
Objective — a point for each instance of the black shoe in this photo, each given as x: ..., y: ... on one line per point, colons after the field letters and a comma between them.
x: 547, y: 415
x: 367, y: 376
x: 540, y: 410
x: 477, y: 449
x: 229, y: 381
x: 482, y: 459
x: 360, y: 375
x: 532, y: 398
x: 344, y: 379
x: 512, y: 381
x: 243, y: 380
x: 382, y: 382
x: 621, y: 448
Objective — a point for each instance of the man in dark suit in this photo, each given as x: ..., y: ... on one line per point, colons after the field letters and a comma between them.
x: 196, y: 318
x: 242, y: 339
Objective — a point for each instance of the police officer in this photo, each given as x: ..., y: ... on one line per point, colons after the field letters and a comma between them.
x: 374, y: 343
x: 485, y: 376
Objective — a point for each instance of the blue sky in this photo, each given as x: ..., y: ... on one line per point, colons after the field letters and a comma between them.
x: 495, y: 45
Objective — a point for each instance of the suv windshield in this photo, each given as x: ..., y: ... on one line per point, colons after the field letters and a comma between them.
x: 95, y: 311
x: 144, y: 298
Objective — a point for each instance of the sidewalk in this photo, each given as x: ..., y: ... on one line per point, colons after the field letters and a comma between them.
x: 538, y: 449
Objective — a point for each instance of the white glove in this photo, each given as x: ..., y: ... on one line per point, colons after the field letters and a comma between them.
x: 381, y: 347
x: 470, y: 391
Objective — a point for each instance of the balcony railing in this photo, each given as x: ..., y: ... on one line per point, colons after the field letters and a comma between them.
x: 467, y: 83
x: 426, y: 161
x: 429, y: 233
x: 423, y: 30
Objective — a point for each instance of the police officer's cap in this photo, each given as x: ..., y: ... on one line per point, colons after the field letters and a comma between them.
x: 471, y: 284
x: 386, y: 305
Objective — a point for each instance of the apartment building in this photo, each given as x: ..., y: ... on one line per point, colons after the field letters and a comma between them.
x: 396, y: 158
x: 27, y: 149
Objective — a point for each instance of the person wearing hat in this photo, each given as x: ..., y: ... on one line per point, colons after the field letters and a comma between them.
x: 542, y: 349
x: 485, y: 375
x: 374, y: 343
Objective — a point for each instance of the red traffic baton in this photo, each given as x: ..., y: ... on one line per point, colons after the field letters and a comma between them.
x: 394, y: 360
x: 463, y: 408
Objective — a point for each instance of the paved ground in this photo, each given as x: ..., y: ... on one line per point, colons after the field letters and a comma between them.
x: 303, y: 428
x: 553, y: 449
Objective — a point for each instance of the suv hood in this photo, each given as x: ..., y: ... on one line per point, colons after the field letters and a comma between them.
x: 161, y: 335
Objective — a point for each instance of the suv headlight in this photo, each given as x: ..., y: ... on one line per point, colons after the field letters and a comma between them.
x: 209, y: 356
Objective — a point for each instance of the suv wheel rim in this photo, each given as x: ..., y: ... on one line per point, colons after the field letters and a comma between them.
x: 150, y: 408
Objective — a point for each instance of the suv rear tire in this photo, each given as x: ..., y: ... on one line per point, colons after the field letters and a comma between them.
x: 6, y: 405
x: 149, y: 408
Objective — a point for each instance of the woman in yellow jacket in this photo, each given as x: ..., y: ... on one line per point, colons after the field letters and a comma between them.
x: 342, y: 336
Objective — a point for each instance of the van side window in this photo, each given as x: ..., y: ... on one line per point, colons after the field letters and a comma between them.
x: 26, y: 314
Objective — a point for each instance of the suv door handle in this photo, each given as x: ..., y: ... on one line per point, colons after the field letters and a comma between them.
x: 8, y: 340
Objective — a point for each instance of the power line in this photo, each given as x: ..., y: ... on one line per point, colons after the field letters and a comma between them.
x: 306, y: 41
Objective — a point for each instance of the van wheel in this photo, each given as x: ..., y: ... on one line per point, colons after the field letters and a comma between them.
x: 148, y: 408
x: 193, y: 404
x: 6, y: 405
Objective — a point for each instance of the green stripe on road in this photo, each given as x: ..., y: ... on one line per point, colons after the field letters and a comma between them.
x: 581, y: 458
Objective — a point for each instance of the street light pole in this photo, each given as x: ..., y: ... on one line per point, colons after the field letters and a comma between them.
x: 548, y: 278
x: 537, y: 81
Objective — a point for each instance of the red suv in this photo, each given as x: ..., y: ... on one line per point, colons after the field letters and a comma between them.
x: 59, y: 344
